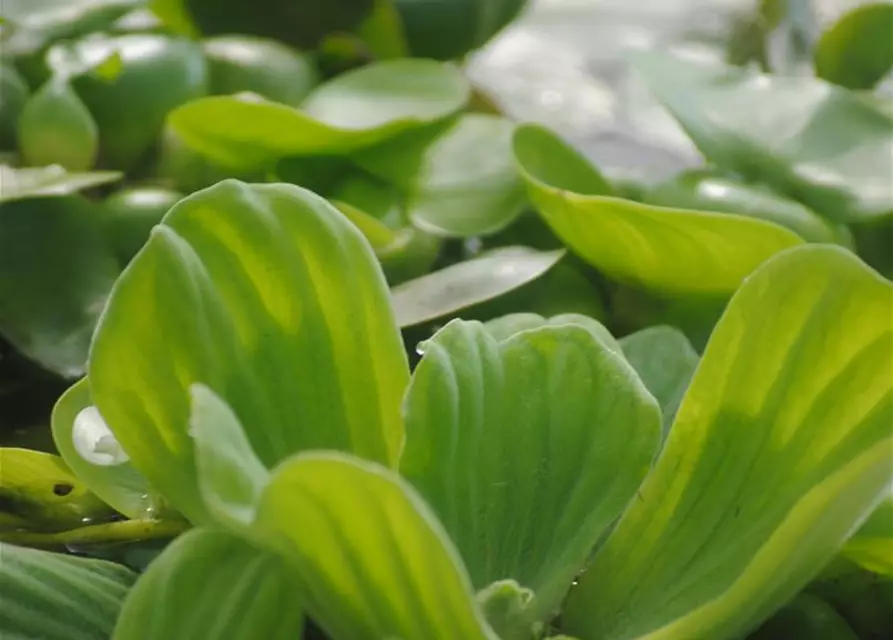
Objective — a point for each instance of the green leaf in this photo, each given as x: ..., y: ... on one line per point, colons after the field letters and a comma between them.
x: 527, y: 449
x: 807, y: 616
x: 58, y: 597
x: 863, y: 598
x: 376, y: 563
x: 265, y: 67
x: 231, y: 477
x: 55, y: 274
x: 449, y: 30
x: 158, y: 73
x: 506, y: 606
x: 38, y: 22
x: 809, y: 140
x: 55, y: 128
x: 507, y: 326
x: 90, y: 449
x: 665, y: 361
x: 780, y: 447
x: 872, y: 545
x: 462, y: 183
x: 675, y: 251
x: 38, y: 492
x: 34, y: 182
x: 857, y: 51
x: 467, y: 283
x: 354, y: 110
x: 704, y: 191
x: 211, y: 585
x: 270, y: 297
x: 300, y: 23
x: 382, y: 32
x: 14, y: 94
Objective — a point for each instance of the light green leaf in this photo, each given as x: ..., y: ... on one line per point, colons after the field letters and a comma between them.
x: 382, y: 32
x: 872, y: 546
x: 461, y: 183
x: 231, y: 477
x: 507, y: 326
x: 376, y: 563
x: 527, y: 449
x: 665, y: 361
x: 506, y: 606
x: 55, y: 274
x: 675, y: 251
x: 88, y: 447
x: 857, y: 51
x: 780, y: 447
x: 467, y: 283
x: 38, y: 492
x: 356, y: 109
x: 34, y: 182
x: 812, y: 141
x: 270, y: 297
x: 208, y: 584
x: 705, y: 191
x: 58, y: 597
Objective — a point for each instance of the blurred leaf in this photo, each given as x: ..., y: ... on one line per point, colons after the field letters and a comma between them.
x: 704, y: 191
x: 92, y: 452
x: 208, y: 584
x: 301, y: 23
x: 462, y: 285
x: 665, y: 361
x: 130, y: 214
x: 376, y: 563
x: 872, y: 545
x: 55, y: 128
x: 506, y: 606
x: 157, y: 74
x: 356, y: 109
x: 809, y: 140
x: 675, y: 251
x: 807, y: 616
x: 863, y: 598
x: 33, y: 182
x: 38, y: 492
x: 527, y: 449
x: 14, y: 93
x: 449, y: 30
x: 857, y: 51
x: 270, y: 297
x: 780, y: 446
x: 59, y: 597
x: 382, y: 32
x: 262, y: 66
x: 55, y: 274
x: 38, y: 22
x: 462, y: 183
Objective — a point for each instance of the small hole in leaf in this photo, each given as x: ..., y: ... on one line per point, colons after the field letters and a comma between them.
x: 62, y: 489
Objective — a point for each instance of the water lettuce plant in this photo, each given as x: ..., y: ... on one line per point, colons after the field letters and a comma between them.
x: 272, y: 407
x: 302, y: 336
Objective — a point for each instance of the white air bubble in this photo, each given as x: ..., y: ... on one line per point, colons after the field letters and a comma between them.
x: 94, y: 441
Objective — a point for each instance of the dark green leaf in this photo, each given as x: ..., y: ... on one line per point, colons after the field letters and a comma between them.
x: 857, y: 51
x: 449, y: 30
x: 55, y: 274
x: 58, y: 597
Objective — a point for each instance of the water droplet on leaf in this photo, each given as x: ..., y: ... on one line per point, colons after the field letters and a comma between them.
x: 94, y: 441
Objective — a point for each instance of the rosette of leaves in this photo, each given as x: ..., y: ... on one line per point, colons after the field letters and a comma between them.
x: 249, y: 364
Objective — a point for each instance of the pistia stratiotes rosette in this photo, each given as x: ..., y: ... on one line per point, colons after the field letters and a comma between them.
x: 464, y: 502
